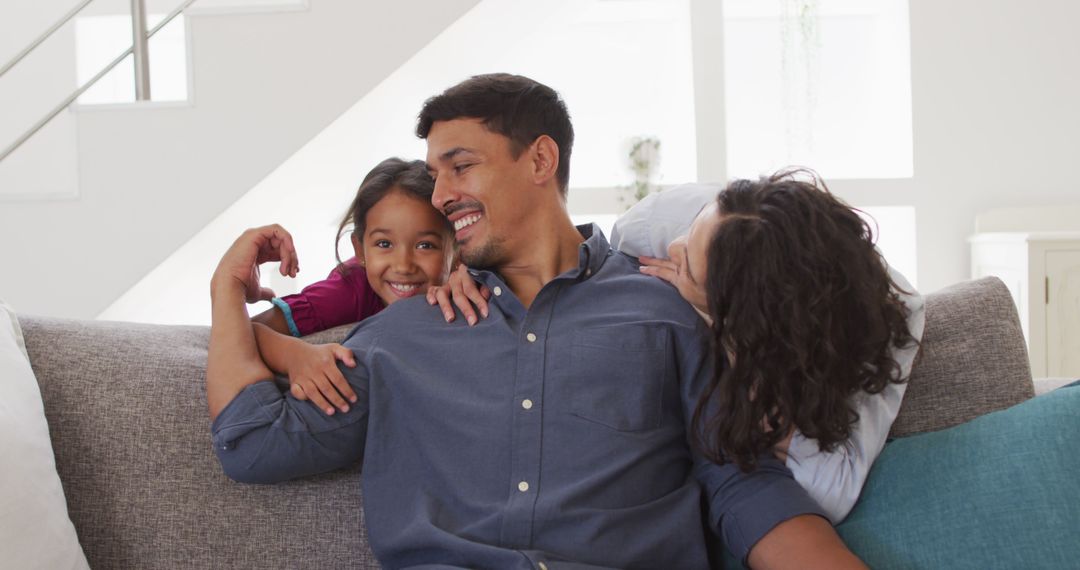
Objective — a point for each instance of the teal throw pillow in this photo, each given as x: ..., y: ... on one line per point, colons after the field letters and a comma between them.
x: 1000, y: 491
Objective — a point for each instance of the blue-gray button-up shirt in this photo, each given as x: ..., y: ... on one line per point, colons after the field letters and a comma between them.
x: 552, y: 434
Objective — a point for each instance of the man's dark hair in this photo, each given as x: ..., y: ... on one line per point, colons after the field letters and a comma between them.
x: 805, y: 315
x: 511, y: 105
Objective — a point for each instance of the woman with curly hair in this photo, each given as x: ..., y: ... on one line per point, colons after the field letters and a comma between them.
x: 813, y: 334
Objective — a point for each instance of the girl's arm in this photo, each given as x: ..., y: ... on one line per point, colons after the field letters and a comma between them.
x: 343, y: 297
x: 312, y: 369
x: 273, y: 318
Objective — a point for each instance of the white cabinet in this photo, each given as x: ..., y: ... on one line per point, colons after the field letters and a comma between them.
x: 1042, y: 271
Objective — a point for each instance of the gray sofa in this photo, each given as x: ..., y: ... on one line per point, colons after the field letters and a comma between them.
x: 127, y: 416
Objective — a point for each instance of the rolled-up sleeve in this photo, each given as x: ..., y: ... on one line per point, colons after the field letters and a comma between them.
x: 744, y: 507
x: 265, y: 436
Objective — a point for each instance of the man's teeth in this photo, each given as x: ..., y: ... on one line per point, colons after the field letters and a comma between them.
x: 466, y: 221
x: 404, y: 287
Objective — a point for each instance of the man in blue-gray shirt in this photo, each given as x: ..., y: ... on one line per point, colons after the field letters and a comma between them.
x: 553, y: 434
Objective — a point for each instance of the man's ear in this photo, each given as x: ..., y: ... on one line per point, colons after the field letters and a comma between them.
x: 358, y: 248
x: 545, y: 159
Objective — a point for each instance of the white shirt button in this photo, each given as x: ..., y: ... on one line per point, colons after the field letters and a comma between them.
x: 526, y: 403
x: 541, y: 566
x: 523, y: 486
x: 588, y: 272
x: 497, y: 290
x: 530, y: 337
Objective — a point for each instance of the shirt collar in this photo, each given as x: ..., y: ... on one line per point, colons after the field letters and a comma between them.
x: 592, y: 252
x: 591, y: 255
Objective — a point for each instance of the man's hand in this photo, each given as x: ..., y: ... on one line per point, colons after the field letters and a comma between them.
x: 465, y: 293
x: 240, y: 264
x: 314, y: 375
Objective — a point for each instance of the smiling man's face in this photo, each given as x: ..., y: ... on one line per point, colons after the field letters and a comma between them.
x: 482, y: 189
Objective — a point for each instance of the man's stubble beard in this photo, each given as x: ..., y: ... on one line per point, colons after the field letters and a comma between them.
x: 485, y: 256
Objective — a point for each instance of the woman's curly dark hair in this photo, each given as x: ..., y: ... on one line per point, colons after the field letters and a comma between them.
x: 804, y: 316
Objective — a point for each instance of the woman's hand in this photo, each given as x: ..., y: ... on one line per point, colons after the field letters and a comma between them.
x: 781, y: 448
x: 465, y: 293
x: 240, y: 264
x: 314, y: 375
x: 675, y: 271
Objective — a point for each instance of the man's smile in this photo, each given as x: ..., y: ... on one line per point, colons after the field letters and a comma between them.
x: 466, y: 221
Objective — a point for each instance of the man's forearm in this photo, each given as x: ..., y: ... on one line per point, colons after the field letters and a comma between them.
x: 233, y: 361
x: 806, y: 541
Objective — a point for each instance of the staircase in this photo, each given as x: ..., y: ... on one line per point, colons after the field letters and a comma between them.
x: 103, y: 195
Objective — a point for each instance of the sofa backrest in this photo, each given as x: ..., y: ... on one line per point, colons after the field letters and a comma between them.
x: 128, y: 418
x: 973, y: 359
x: 127, y: 415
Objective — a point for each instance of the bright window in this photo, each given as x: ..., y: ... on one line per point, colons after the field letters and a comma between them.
x: 99, y: 39
x: 818, y: 83
x: 624, y: 68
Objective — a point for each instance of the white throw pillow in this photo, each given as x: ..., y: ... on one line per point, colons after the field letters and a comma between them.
x: 35, y: 531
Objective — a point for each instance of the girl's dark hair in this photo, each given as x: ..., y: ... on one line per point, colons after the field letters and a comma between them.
x: 804, y: 316
x: 409, y: 177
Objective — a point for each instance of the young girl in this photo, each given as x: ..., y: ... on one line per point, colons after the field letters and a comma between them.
x: 402, y: 246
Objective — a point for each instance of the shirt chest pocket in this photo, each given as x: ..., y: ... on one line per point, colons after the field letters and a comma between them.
x: 618, y: 375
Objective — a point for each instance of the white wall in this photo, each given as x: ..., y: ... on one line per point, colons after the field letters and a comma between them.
x: 46, y: 166
x: 994, y: 109
x: 995, y: 94
x: 150, y: 177
x: 309, y: 192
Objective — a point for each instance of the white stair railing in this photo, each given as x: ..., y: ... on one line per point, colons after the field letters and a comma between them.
x: 140, y: 37
x: 44, y: 36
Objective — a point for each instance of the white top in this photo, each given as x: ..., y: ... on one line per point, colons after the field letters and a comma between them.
x: 833, y: 479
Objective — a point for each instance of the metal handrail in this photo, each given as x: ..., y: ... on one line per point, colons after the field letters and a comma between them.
x: 26, y: 51
x: 71, y: 98
x: 141, y: 46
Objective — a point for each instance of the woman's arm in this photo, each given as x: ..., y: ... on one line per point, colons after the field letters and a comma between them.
x: 835, y: 479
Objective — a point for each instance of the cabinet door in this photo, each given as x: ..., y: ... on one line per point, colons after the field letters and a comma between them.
x: 1063, y: 313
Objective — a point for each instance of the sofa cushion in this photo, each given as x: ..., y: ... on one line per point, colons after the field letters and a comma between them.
x: 973, y: 359
x: 997, y: 492
x: 127, y: 412
x: 35, y: 531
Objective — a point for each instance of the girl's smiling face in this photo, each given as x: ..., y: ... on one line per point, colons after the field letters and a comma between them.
x: 405, y: 248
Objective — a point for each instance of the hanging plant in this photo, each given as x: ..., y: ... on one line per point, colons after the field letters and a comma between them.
x: 644, y: 161
x: 801, y: 39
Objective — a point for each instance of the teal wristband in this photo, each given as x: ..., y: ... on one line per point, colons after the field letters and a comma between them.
x: 287, y: 311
